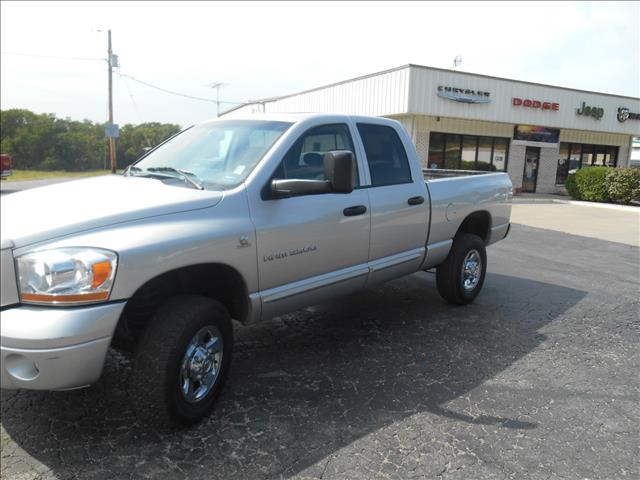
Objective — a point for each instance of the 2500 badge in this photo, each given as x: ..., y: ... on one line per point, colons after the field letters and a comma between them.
x: 290, y: 253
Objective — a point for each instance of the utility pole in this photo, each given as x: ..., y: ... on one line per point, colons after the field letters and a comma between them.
x: 112, y: 140
x: 217, y: 86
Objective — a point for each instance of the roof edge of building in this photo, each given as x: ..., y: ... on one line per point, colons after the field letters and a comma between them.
x: 353, y: 79
x: 523, y: 81
x: 415, y: 65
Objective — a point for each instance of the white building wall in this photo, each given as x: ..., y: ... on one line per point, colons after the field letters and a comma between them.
x: 377, y: 95
x: 547, y: 169
x: 515, y: 165
x: 423, y: 99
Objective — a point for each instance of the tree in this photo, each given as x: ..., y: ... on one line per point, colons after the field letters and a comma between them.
x: 42, y: 141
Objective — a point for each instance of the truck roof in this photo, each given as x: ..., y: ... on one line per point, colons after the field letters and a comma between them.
x: 295, y: 117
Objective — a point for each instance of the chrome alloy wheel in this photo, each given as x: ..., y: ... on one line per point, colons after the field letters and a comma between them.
x: 471, y: 270
x: 201, y: 364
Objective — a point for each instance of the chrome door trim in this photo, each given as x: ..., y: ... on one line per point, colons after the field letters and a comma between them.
x: 332, y: 278
x: 313, y: 283
x: 396, y: 259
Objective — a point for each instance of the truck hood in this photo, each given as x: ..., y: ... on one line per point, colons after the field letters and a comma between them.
x: 66, y: 208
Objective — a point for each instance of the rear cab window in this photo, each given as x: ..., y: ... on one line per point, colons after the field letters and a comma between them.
x: 386, y: 156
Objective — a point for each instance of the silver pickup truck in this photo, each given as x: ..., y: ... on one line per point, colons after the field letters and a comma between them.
x: 241, y: 219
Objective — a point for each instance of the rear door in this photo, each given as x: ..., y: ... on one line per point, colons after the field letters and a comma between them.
x: 311, y: 247
x: 399, y: 204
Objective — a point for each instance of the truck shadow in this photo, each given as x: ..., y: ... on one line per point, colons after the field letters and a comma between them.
x: 304, y: 386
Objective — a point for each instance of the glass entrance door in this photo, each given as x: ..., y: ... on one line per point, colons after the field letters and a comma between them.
x: 530, y: 176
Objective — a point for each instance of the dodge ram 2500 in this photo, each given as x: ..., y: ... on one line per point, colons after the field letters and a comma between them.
x: 241, y: 219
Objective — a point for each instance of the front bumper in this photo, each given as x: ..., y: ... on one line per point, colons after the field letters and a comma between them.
x: 47, y: 348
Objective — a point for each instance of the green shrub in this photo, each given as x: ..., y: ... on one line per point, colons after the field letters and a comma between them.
x: 572, y: 186
x: 623, y: 184
x: 471, y: 165
x: 592, y: 184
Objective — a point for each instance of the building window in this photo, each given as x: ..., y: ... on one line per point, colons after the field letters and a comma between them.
x: 467, y: 152
x: 562, y: 170
x: 573, y: 156
x: 436, y: 151
x: 452, y: 147
x: 612, y: 156
x: 485, y: 148
x: 575, y: 153
x: 587, y: 156
x: 500, y: 149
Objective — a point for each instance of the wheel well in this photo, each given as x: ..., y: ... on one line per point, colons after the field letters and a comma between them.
x: 477, y: 223
x: 217, y: 281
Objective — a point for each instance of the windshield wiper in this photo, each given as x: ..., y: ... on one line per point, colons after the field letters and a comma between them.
x: 186, y: 176
x: 141, y: 172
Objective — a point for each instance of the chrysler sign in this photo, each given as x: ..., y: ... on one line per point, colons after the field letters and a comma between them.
x: 464, y: 95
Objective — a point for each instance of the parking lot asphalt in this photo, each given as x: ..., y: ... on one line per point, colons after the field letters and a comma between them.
x: 613, y: 223
x: 538, y: 379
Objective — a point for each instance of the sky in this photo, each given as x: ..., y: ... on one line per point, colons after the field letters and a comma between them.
x: 267, y: 49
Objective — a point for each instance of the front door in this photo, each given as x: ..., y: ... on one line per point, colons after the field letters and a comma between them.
x: 530, y: 176
x: 311, y: 247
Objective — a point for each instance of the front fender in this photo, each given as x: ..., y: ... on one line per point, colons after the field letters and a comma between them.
x: 149, y: 247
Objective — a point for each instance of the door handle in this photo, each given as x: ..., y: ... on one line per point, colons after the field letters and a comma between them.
x: 353, y: 211
x: 416, y: 200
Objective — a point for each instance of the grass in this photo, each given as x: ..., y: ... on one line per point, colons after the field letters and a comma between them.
x: 20, y: 175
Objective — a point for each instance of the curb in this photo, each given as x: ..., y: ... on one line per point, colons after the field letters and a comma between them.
x: 610, y: 206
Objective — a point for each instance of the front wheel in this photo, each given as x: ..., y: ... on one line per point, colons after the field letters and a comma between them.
x: 460, y: 277
x: 182, y: 360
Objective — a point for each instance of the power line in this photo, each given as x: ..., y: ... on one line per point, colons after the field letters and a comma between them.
x: 33, y: 55
x: 53, y: 56
x: 177, y: 93
x: 137, y: 113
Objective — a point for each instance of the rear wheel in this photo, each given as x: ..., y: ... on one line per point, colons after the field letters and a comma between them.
x: 182, y: 360
x: 461, y: 276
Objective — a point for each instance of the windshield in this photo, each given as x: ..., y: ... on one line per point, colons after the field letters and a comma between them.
x: 216, y: 155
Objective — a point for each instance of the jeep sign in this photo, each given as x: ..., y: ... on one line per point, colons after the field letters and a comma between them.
x: 587, y: 111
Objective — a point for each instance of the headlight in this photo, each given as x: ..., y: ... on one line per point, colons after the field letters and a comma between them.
x: 66, y: 275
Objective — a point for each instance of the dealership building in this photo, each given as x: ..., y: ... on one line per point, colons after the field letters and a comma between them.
x: 457, y: 120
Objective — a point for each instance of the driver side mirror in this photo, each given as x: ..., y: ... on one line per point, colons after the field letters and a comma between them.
x: 340, y: 170
x: 339, y: 174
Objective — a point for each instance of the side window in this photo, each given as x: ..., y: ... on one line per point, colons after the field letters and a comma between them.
x: 386, y: 155
x: 305, y: 159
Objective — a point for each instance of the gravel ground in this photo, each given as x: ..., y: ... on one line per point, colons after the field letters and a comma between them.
x: 538, y: 379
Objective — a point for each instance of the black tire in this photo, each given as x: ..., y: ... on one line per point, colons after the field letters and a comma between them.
x: 449, y: 277
x: 155, y: 385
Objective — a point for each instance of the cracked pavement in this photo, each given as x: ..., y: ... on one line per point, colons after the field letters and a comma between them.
x: 537, y: 379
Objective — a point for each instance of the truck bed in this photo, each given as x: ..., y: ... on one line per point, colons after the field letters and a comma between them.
x: 456, y: 194
x: 439, y: 173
